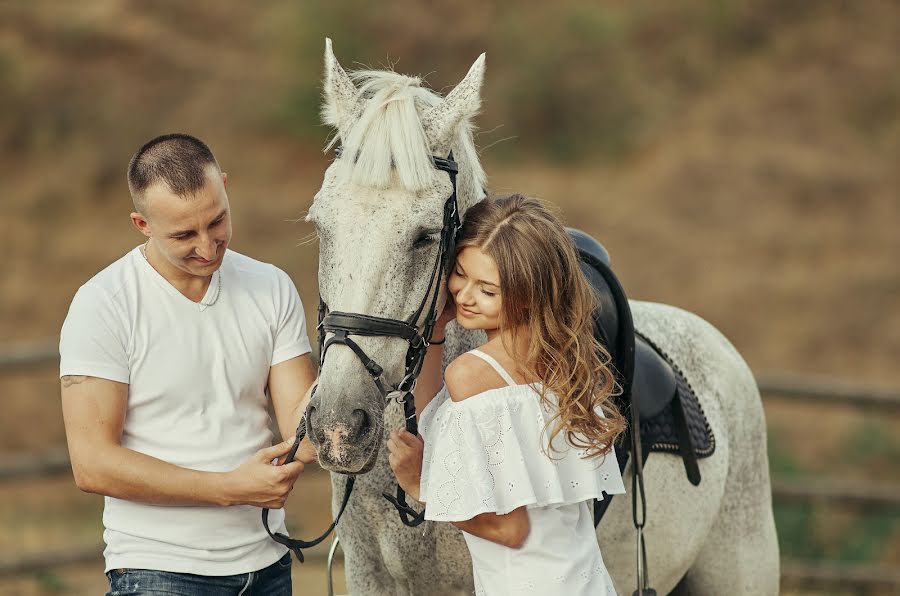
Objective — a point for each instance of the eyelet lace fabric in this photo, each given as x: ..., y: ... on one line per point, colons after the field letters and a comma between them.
x: 488, y: 453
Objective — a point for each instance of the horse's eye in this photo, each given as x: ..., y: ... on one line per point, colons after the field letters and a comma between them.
x: 426, y: 239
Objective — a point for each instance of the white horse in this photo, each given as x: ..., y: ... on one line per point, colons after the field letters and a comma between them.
x: 378, y: 215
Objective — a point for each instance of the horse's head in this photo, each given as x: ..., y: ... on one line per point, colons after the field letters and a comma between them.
x: 379, y: 216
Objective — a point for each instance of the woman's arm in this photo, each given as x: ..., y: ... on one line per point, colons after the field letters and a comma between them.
x: 406, y: 460
x: 430, y: 378
x: 509, y: 530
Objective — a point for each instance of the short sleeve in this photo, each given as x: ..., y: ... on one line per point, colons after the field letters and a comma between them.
x: 290, y: 332
x: 487, y: 454
x: 94, y: 338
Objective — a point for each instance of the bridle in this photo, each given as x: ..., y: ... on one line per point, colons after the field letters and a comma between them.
x: 343, y: 325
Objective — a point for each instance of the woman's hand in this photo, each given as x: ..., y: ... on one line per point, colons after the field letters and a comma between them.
x: 406, y: 460
x: 447, y: 315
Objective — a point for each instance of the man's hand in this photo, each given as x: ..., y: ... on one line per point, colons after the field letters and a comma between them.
x: 406, y: 460
x: 306, y: 453
x: 259, y: 483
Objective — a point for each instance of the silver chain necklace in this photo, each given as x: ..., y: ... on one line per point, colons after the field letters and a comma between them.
x: 215, y: 298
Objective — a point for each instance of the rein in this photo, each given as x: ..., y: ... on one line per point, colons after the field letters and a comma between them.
x: 342, y: 325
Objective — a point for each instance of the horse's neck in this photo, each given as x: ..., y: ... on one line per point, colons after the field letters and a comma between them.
x: 460, y: 341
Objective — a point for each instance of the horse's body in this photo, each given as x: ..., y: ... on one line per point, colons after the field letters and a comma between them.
x: 715, y: 538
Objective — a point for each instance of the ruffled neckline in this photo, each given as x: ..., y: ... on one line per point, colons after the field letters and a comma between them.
x: 487, y: 453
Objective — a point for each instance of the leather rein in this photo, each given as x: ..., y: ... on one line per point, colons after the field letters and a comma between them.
x: 342, y: 325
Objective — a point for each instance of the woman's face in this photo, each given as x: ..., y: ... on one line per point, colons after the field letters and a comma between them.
x: 474, y: 284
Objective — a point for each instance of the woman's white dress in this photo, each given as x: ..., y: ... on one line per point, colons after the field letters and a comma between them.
x: 488, y: 453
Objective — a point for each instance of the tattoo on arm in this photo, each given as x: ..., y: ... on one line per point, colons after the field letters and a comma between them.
x: 69, y: 380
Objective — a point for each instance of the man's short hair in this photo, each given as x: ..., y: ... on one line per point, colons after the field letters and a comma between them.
x: 178, y: 160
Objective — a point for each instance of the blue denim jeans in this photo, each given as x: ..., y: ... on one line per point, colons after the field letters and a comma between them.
x: 274, y: 580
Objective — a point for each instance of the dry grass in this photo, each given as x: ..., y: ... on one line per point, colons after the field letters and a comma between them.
x: 744, y: 169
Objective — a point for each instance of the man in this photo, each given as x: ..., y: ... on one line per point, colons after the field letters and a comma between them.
x: 166, y: 359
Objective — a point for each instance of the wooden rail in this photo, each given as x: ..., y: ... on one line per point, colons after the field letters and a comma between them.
x: 869, y: 496
x: 826, y: 390
x: 37, y: 353
x: 831, y: 576
x: 827, y: 575
x: 29, y: 354
x: 19, y: 467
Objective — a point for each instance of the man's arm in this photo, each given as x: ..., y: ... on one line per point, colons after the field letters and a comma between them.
x: 290, y: 385
x: 94, y: 416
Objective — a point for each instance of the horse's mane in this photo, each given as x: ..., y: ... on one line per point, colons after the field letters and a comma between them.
x: 387, y: 139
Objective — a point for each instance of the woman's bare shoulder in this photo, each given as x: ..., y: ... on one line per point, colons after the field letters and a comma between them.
x: 469, y: 375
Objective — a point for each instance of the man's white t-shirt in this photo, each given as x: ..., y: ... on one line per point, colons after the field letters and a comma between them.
x: 196, y: 375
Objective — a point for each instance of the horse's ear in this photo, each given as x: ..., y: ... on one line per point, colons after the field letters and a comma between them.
x: 461, y: 104
x: 341, y: 96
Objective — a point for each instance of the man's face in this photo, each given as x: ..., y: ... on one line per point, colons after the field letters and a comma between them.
x: 190, y: 233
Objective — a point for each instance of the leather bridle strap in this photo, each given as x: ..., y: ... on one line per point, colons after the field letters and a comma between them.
x: 342, y: 325
x: 624, y: 365
x: 294, y: 544
x: 409, y: 516
x: 369, y: 325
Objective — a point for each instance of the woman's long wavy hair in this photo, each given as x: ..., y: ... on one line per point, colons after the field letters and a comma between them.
x: 547, y: 300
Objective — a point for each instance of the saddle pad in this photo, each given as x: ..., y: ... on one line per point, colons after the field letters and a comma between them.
x: 661, y: 428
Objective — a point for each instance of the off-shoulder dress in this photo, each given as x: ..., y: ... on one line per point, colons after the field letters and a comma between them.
x: 488, y: 453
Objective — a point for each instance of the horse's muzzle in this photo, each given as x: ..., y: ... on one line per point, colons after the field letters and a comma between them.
x: 346, y: 444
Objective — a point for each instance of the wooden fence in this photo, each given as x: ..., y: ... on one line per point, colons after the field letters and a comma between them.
x: 827, y: 575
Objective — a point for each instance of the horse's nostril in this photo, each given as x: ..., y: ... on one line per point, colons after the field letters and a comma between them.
x: 359, y: 423
x: 311, y: 428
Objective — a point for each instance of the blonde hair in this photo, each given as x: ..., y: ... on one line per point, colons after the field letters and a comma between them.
x: 547, y: 299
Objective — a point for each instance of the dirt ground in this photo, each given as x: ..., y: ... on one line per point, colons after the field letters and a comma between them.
x: 52, y: 512
x: 762, y: 197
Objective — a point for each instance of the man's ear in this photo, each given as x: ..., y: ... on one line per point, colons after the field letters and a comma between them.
x: 224, y: 179
x: 140, y: 223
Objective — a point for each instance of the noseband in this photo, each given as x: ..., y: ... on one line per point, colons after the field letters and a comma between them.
x: 342, y: 325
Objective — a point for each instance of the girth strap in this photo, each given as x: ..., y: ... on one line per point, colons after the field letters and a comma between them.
x: 685, y: 445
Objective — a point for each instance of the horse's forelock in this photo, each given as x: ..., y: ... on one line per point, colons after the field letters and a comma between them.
x: 387, y: 144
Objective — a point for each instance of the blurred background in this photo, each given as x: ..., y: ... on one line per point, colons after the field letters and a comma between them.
x: 738, y: 159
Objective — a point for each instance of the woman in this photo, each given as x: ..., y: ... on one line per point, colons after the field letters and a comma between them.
x: 519, y: 441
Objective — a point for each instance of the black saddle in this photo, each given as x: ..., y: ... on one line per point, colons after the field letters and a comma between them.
x: 671, y: 419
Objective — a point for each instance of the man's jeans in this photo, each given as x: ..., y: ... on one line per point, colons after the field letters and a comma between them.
x: 274, y: 580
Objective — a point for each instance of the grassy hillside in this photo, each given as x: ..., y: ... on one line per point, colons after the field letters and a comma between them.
x: 739, y: 159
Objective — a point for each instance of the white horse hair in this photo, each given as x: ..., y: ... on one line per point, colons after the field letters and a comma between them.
x: 378, y: 215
